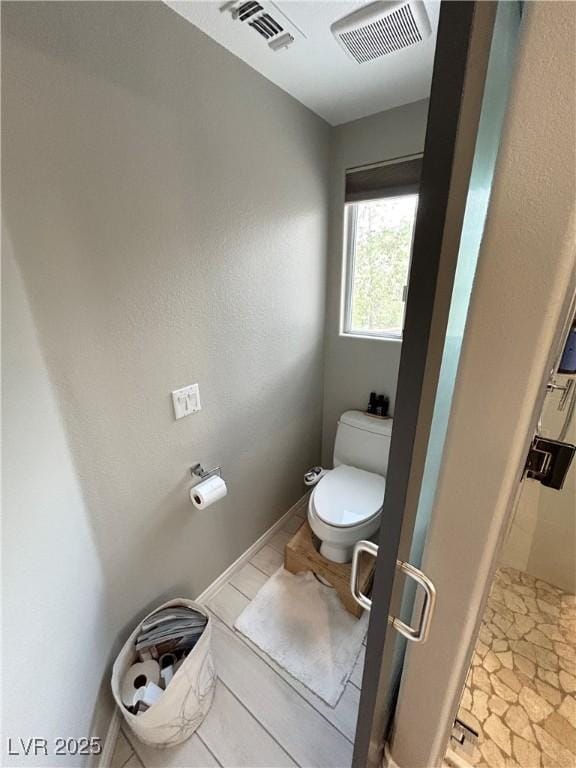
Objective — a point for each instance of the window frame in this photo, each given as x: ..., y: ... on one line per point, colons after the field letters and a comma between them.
x: 349, y: 243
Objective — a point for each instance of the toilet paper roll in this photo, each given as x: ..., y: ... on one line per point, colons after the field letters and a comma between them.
x: 167, y: 662
x: 207, y: 492
x: 167, y: 674
x: 148, y: 695
x: 138, y: 676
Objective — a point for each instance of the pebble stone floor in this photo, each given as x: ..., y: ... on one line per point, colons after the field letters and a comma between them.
x: 520, y: 693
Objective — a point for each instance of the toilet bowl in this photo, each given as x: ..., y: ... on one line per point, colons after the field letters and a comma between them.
x: 346, y: 503
x: 345, y: 507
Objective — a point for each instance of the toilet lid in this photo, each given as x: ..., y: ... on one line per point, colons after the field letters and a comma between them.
x: 348, y: 496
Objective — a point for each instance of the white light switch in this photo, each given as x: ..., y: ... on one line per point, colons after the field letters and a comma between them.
x: 186, y: 401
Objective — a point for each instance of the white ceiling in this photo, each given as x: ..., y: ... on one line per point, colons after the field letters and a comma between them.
x: 314, y: 69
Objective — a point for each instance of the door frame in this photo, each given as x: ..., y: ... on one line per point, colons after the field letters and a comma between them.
x: 460, y: 65
x: 525, y: 283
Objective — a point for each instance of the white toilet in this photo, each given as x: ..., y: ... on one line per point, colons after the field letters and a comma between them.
x: 346, y: 503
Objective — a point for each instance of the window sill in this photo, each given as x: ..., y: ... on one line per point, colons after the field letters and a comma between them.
x: 369, y: 337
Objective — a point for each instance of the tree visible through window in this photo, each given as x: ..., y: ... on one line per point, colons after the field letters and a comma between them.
x: 378, y: 262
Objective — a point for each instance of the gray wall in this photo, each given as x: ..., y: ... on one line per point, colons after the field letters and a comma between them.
x: 168, y: 212
x: 56, y: 634
x: 354, y: 366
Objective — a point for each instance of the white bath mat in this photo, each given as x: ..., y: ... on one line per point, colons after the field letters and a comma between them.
x: 302, y: 625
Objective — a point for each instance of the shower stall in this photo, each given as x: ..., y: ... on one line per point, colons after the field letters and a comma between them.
x: 542, y: 537
x: 519, y: 703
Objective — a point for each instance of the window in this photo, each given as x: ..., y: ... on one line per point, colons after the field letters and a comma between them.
x: 378, y: 247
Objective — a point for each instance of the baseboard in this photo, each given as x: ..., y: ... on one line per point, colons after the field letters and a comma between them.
x: 219, y: 582
x: 105, y: 757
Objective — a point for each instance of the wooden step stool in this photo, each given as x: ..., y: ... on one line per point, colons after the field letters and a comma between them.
x: 301, y: 554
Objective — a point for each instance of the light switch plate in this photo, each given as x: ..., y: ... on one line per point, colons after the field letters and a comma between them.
x: 186, y: 401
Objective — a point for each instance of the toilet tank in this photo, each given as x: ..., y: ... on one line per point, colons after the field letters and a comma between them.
x: 363, y: 441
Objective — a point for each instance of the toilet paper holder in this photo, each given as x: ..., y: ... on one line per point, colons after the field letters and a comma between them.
x: 198, y: 471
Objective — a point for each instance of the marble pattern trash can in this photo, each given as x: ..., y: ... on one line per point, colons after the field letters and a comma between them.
x: 188, y: 697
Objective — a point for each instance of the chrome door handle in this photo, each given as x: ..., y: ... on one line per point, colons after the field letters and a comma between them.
x: 566, y: 390
x: 415, y: 635
x: 371, y: 549
x: 420, y: 634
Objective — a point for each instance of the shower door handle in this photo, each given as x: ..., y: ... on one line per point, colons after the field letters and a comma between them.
x: 417, y: 634
x: 372, y: 549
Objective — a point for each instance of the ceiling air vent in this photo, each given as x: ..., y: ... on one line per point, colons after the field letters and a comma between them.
x: 268, y: 22
x: 382, y: 28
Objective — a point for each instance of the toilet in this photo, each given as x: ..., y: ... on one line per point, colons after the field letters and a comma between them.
x: 346, y: 503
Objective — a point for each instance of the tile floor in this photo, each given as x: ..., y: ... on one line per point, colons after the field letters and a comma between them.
x: 520, y: 694
x: 260, y: 716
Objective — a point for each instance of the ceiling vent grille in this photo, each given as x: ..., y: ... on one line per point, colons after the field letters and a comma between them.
x: 261, y: 19
x: 382, y: 28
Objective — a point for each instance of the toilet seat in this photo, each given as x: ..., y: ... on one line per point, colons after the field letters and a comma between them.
x: 347, y: 496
